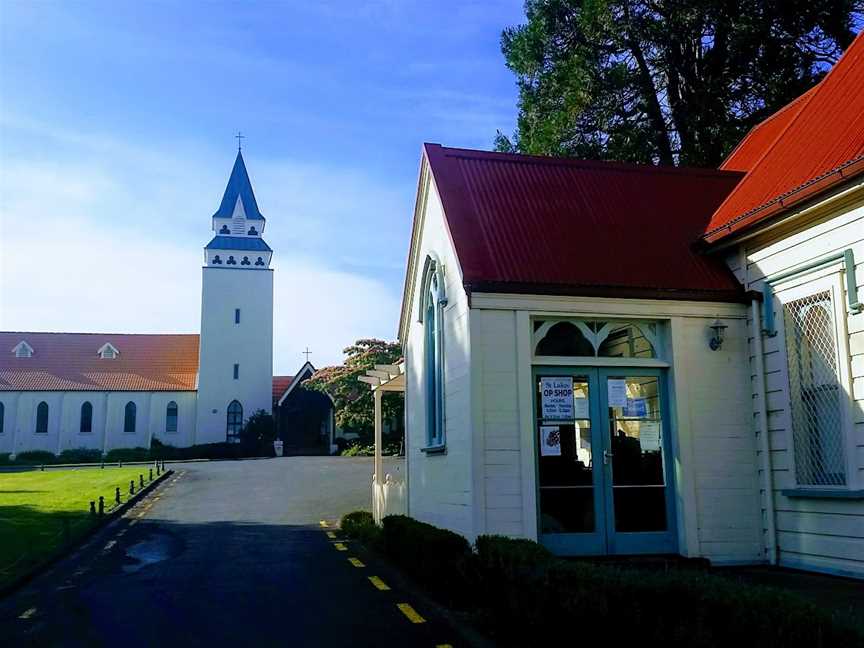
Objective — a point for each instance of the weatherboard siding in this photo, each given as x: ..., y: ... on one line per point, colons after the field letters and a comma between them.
x: 819, y: 534
x: 441, y: 485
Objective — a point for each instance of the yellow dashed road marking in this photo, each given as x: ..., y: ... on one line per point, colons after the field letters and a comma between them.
x: 110, y: 544
x: 410, y: 612
x: 378, y: 583
x: 120, y: 533
x: 340, y: 547
x: 330, y: 534
x: 141, y: 514
x: 26, y: 614
x: 133, y: 522
x: 356, y: 562
x: 323, y: 523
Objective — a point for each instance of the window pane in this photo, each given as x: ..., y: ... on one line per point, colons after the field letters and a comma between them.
x: 815, y: 391
x: 129, y: 418
x: 625, y: 340
x: 86, y: 417
x: 564, y: 339
x: 42, y: 418
x: 171, y: 417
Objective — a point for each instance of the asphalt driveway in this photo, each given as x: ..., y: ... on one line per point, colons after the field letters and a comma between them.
x: 228, y: 553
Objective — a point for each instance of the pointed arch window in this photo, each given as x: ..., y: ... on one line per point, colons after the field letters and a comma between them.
x: 433, y: 301
x: 224, y: 230
x: 171, y: 417
x: 130, y: 414
x: 86, y: 423
x: 42, y: 418
x: 235, y: 421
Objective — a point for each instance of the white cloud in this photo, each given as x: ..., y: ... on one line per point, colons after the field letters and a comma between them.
x: 110, y: 240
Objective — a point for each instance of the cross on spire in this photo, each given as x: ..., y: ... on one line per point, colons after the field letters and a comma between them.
x: 240, y: 137
x: 307, y: 353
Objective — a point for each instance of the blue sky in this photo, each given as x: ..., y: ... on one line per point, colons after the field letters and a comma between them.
x: 116, y: 141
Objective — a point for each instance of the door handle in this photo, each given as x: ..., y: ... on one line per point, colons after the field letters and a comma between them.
x: 606, y: 457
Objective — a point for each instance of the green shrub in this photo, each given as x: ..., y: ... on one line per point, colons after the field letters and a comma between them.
x: 80, y: 455
x: 360, y: 526
x: 5, y: 460
x: 438, y: 559
x: 128, y: 454
x: 357, y: 449
x: 36, y: 457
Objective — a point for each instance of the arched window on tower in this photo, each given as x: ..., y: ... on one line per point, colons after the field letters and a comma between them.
x: 129, y: 417
x: 42, y: 418
x: 217, y: 260
x: 231, y: 260
x: 224, y: 230
x: 171, y: 417
x: 252, y: 231
x: 235, y: 422
x: 86, y: 417
x: 245, y: 261
x: 259, y: 262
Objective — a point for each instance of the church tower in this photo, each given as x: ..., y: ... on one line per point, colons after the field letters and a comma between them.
x: 235, y: 372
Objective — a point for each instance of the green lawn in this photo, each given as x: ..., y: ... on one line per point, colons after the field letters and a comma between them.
x: 37, y: 507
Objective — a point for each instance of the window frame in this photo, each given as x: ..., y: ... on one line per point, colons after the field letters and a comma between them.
x: 39, y: 428
x: 81, y: 429
x: 236, y: 372
x: 433, y: 302
x: 176, y: 416
x: 134, y: 418
x: 809, y: 286
x: 233, y: 438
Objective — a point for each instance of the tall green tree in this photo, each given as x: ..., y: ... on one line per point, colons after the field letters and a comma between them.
x: 664, y: 81
x: 353, y: 404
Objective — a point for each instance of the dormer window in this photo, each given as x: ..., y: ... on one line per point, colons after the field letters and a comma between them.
x: 23, y: 350
x: 252, y: 231
x: 108, y: 351
x: 224, y: 230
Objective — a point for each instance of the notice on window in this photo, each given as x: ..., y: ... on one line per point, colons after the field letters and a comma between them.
x: 636, y: 407
x: 580, y: 408
x: 617, y: 392
x: 557, y: 398
x: 550, y: 441
x: 649, y: 436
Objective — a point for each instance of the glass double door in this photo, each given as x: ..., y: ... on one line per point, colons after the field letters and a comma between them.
x: 603, y: 461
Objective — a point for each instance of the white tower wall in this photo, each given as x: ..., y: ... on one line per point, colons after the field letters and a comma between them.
x: 224, y: 343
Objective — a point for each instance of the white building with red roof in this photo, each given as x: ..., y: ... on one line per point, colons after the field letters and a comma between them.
x: 62, y: 391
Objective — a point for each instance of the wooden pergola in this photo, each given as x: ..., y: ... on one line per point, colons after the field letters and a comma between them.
x: 381, y: 379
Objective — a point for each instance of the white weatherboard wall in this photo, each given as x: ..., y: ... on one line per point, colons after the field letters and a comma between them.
x: 224, y: 343
x: 441, y: 487
x: 715, y: 457
x: 64, y: 420
x: 819, y: 534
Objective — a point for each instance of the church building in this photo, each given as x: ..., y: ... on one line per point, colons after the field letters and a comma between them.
x: 61, y: 391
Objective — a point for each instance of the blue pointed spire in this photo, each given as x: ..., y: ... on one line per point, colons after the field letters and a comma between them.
x: 239, y: 185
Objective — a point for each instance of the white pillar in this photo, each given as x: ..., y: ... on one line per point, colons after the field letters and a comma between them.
x: 379, y: 464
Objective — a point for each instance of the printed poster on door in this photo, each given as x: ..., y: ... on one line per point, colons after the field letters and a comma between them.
x: 550, y: 441
x: 557, y: 397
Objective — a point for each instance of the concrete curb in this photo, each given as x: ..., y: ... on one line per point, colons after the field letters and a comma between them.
x: 101, y: 522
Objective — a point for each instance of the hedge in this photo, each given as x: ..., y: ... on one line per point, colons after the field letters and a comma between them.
x: 360, y: 526
x: 438, y: 559
x: 35, y: 457
x: 80, y: 455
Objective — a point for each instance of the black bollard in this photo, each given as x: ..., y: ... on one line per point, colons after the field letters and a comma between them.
x: 101, y: 505
x: 158, y: 470
x: 132, y: 487
x: 119, y: 464
x: 42, y: 469
x: 92, y: 507
x: 103, y: 464
x: 151, y: 474
x: 117, y: 495
x: 141, y: 481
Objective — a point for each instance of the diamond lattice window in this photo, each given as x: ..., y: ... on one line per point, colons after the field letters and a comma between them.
x: 816, y: 393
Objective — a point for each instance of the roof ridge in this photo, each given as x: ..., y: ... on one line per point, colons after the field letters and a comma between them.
x: 549, y: 160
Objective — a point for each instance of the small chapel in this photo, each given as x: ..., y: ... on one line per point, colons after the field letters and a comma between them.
x: 62, y: 391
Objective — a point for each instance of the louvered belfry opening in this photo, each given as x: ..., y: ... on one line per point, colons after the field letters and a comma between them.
x: 815, y: 391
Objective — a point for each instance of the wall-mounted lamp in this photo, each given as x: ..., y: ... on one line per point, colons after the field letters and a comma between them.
x: 717, y: 341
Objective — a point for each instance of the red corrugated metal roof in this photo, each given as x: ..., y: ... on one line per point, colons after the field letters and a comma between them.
x: 280, y: 384
x: 70, y: 362
x: 561, y: 226
x: 819, y: 147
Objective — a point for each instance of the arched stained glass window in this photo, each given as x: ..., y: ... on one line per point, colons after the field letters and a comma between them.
x: 432, y: 315
x: 235, y: 421
x: 86, y: 417
x: 129, y: 417
x: 42, y: 418
x: 171, y: 417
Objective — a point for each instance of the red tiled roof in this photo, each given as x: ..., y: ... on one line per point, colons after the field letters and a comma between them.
x: 561, y: 226
x: 70, y: 362
x: 280, y: 384
x: 816, y: 144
